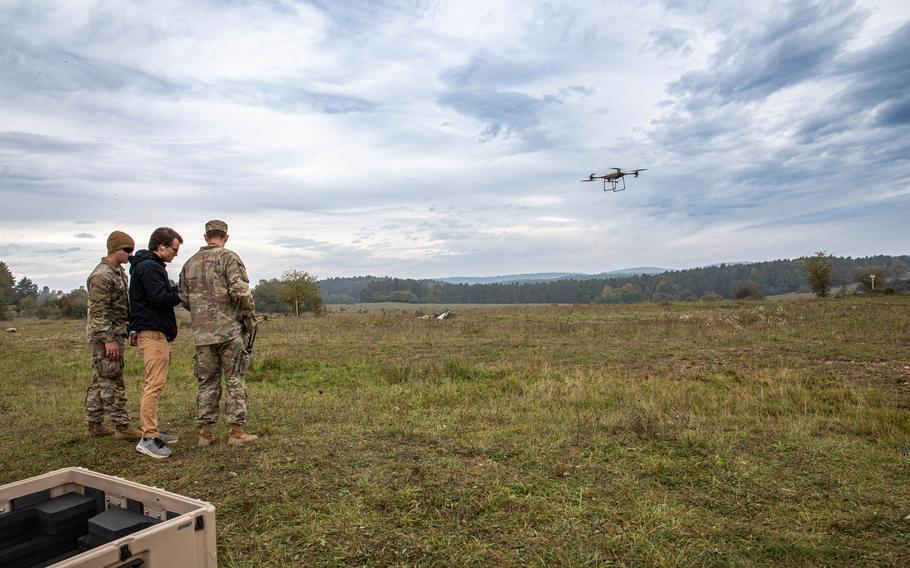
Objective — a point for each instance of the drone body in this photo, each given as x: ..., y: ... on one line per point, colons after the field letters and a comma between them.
x: 614, y: 178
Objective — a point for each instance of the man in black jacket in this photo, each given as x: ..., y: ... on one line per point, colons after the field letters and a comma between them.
x: 152, y: 301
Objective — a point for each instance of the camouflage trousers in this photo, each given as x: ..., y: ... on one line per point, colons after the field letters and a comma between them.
x: 106, y: 394
x: 231, y: 360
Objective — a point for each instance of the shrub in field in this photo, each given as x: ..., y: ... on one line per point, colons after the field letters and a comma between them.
x: 47, y: 309
x: 73, y: 305
x: 747, y: 291
x: 27, y: 307
x: 819, y: 273
x: 265, y: 295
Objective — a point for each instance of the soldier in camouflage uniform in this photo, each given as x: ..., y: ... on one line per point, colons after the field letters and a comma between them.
x: 215, y: 288
x: 106, y: 328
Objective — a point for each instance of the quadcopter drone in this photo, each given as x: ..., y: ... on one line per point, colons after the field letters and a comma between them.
x: 616, y: 179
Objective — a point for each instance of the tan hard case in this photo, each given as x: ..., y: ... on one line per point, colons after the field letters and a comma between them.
x: 184, y: 541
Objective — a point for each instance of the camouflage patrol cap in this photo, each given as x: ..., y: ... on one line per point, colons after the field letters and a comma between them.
x: 216, y: 225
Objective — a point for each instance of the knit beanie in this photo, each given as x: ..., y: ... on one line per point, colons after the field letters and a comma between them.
x: 119, y: 240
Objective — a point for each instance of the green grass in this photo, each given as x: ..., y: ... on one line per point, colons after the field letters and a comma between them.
x: 684, y: 434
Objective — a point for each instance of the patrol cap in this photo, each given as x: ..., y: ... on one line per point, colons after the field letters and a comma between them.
x: 216, y: 225
x: 118, y: 240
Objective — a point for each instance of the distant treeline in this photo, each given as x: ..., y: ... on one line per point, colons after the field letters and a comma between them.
x: 22, y: 297
x: 711, y: 282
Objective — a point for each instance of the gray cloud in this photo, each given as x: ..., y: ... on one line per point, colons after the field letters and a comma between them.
x: 291, y: 98
x: 49, y: 71
x: 14, y: 248
x: 504, y: 113
x: 480, y: 89
x: 713, y: 117
x: 875, y: 91
x: 796, y: 45
x: 488, y: 71
x: 582, y: 91
x: 669, y: 40
x: 361, y: 14
x: 27, y: 142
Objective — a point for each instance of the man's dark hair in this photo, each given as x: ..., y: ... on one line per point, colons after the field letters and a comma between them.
x: 163, y: 236
x: 215, y: 233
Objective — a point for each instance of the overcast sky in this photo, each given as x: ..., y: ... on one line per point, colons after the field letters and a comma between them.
x: 427, y: 139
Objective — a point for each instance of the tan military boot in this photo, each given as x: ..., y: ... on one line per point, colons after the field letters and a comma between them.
x: 206, y: 437
x: 94, y: 430
x: 238, y: 436
x: 127, y: 432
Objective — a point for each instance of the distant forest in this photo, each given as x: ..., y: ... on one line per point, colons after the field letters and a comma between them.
x: 713, y: 282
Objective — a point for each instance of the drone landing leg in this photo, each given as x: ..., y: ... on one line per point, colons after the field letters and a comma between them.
x: 614, y: 184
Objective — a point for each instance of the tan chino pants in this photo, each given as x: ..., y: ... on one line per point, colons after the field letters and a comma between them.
x: 156, y: 354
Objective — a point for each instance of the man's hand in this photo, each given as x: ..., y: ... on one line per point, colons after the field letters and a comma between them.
x: 249, y: 324
x: 112, y: 350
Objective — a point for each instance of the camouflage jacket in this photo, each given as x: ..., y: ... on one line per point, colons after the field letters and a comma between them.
x: 108, y: 303
x: 215, y: 288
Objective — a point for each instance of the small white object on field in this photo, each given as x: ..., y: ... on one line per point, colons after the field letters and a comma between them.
x: 439, y: 315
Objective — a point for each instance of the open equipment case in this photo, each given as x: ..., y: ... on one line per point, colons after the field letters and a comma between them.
x: 76, y: 518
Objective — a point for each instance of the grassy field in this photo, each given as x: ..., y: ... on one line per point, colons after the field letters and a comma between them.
x: 719, y: 434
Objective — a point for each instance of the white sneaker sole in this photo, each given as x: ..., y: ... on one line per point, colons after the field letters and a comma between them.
x: 150, y: 453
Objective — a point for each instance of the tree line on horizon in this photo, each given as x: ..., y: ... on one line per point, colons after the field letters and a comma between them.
x: 297, y: 292
x: 23, y: 297
x: 723, y: 281
x: 294, y: 292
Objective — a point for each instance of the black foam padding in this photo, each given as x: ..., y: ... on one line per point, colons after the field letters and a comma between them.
x: 46, y: 529
x: 90, y: 541
x: 65, y: 513
x: 17, y: 527
x: 65, y: 556
x: 116, y: 522
x: 134, y: 506
x: 29, y: 500
x: 97, y: 495
x: 37, y: 550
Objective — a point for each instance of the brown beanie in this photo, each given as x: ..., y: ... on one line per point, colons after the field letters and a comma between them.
x: 119, y: 240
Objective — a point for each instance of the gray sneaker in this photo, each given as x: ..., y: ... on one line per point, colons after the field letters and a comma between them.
x: 154, y: 447
x: 168, y: 438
